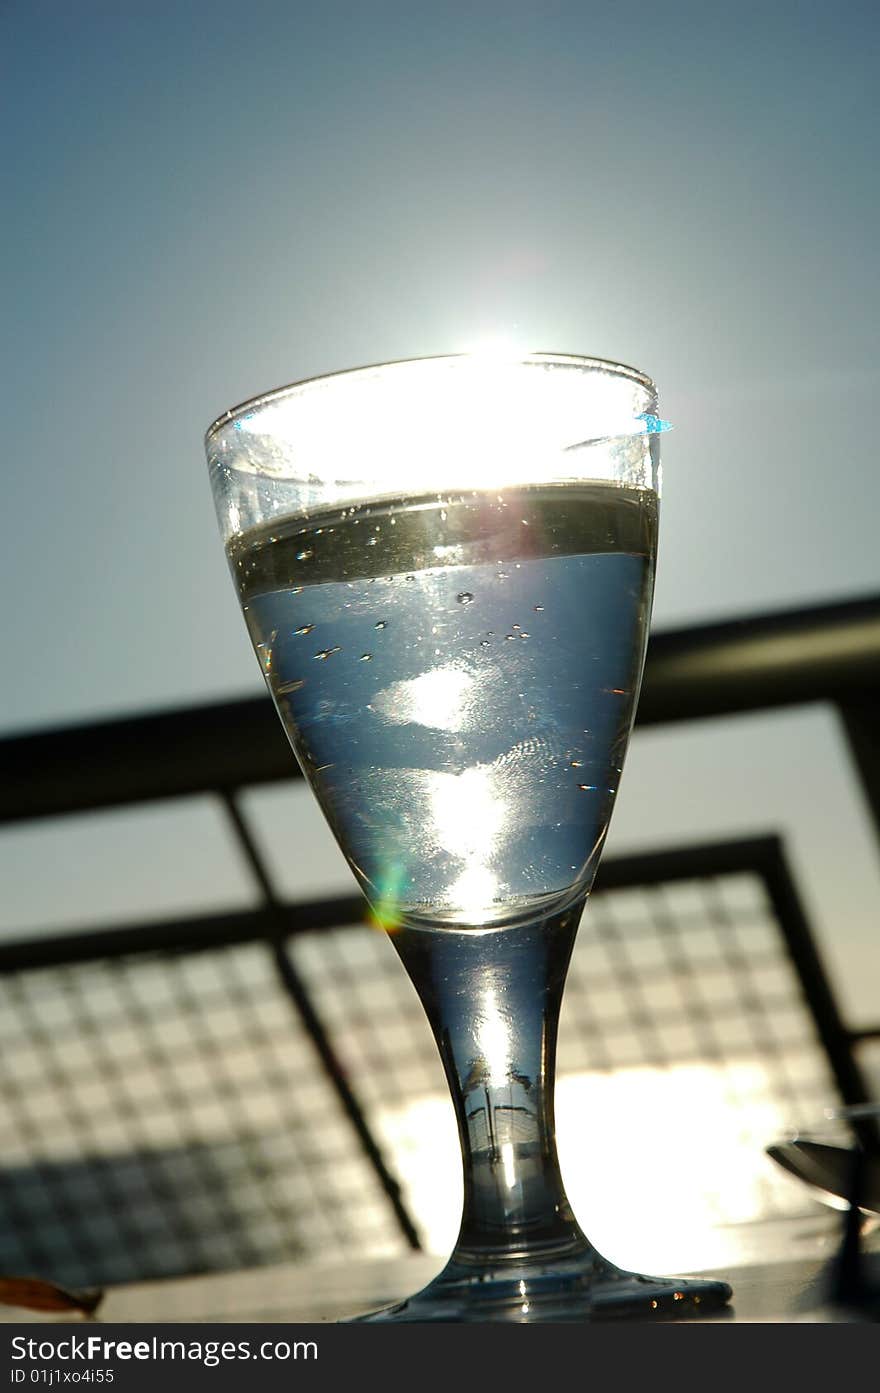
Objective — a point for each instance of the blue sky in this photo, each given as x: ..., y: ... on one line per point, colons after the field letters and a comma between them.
x: 205, y: 200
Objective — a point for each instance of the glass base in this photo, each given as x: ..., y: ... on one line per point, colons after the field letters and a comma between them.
x: 580, y: 1290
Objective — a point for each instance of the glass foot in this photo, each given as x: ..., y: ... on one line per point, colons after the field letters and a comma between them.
x: 579, y: 1292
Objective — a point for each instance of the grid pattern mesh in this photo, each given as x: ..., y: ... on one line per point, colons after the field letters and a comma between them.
x: 166, y: 1113
x: 695, y: 971
x: 163, y: 1114
x: 689, y: 987
x: 681, y: 1000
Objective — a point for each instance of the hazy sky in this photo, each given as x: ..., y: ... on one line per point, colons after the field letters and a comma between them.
x: 207, y: 199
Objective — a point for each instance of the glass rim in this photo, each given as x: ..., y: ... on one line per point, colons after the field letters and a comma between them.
x: 539, y: 358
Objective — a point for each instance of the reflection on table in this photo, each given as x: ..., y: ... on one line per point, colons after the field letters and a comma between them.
x: 780, y: 1272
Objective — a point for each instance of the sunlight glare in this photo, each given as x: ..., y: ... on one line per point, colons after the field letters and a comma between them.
x: 469, y: 820
x: 476, y: 889
x: 442, y: 699
x: 492, y: 1034
x: 509, y: 1166
x: 484, y: 420
x: 664, y: 1167
x: 468, y: 817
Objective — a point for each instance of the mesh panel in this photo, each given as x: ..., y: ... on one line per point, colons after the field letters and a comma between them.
x: 689, y: 988
x: 698, y: 971
x: 167, y: 1114
x: 681, y: 1009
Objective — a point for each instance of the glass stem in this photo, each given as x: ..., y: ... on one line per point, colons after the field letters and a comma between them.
x: 493, y: 998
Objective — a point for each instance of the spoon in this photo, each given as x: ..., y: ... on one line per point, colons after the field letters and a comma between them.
x: 830, y: 1171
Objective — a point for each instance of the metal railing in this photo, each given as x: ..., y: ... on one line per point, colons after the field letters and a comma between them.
x: 828, y: 654
x: 825, y: 654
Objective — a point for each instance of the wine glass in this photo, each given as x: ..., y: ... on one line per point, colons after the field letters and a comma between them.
x: 446, y: 568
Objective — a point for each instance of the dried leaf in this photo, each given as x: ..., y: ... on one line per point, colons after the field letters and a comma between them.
x: 33, y: 1294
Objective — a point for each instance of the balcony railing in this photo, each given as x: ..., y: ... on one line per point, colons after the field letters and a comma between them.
x: 829, y: 654
x: 826, y: 654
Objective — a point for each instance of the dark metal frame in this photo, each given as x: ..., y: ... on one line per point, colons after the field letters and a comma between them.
x: 828, y: 654
x: 276, y: 921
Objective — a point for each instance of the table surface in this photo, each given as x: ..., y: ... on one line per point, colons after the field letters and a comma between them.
x: 780, y: 1272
